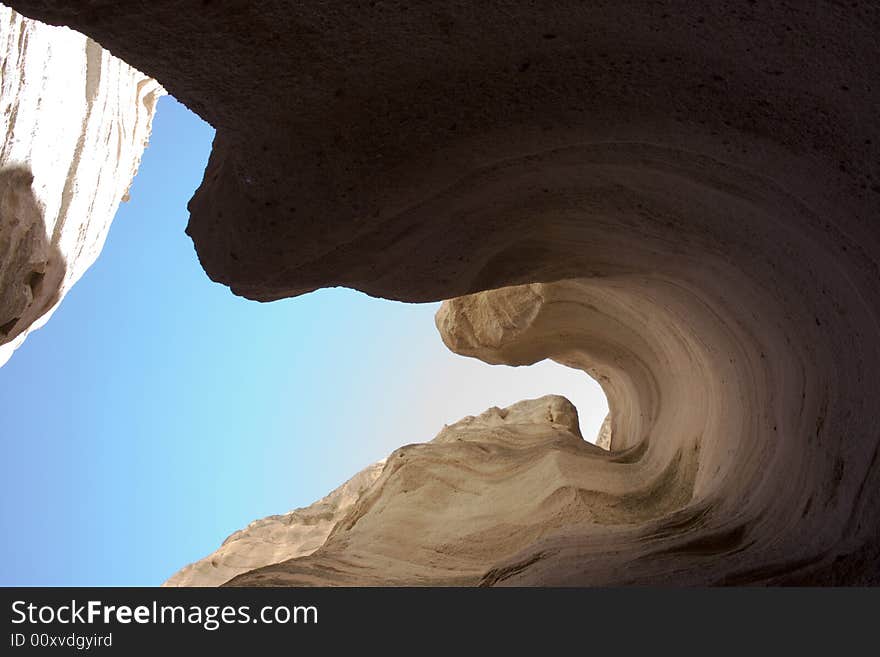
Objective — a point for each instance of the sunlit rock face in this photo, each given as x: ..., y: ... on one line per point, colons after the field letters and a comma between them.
x: 684, y: 197
x: 443, y: 512
x: 603, y: 438
x: 277, y: 538
x: 75, y: 123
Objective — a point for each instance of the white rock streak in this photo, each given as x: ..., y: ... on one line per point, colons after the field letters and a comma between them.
x: 75, y: 122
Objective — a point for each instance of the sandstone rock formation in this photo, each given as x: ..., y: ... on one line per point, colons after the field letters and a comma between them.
x: 483, y: 490
x: 603, y: 439
x: 697, y: 186
x: 278, y: 538
x: 76, y: 120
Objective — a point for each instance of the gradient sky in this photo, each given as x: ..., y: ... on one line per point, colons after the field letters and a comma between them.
x: 156, y: 413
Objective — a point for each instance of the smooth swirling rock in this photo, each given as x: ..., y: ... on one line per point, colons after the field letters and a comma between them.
x: 696, y: 184
x: 75, y: 123
x: 277, y: 538
x: 690, y: 386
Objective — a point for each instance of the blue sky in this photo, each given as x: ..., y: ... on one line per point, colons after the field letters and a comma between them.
x: 156, y: 413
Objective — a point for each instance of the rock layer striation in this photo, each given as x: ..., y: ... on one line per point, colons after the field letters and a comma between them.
x: 684, y: 197
x: 443, y: 512
x: 75, y: 123
x: 278, y: 538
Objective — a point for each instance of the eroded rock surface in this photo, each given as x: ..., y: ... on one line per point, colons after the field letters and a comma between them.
x: 278, y: 538
x: 442, y: 512
x: 698, y: 184
x: 75, y: 123
x: 603, y: 438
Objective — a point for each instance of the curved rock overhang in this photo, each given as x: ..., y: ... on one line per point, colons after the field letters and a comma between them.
x: 695, y: 187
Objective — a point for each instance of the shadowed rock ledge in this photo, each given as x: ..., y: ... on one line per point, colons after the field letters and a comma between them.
x: 686, y: 197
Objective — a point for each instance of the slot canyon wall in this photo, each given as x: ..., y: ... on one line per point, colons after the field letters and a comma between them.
x: 76, y: 121
x: 277, y: 538
x: 680, y: 199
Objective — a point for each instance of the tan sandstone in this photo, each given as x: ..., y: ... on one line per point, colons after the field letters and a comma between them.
x: 679, y: 198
